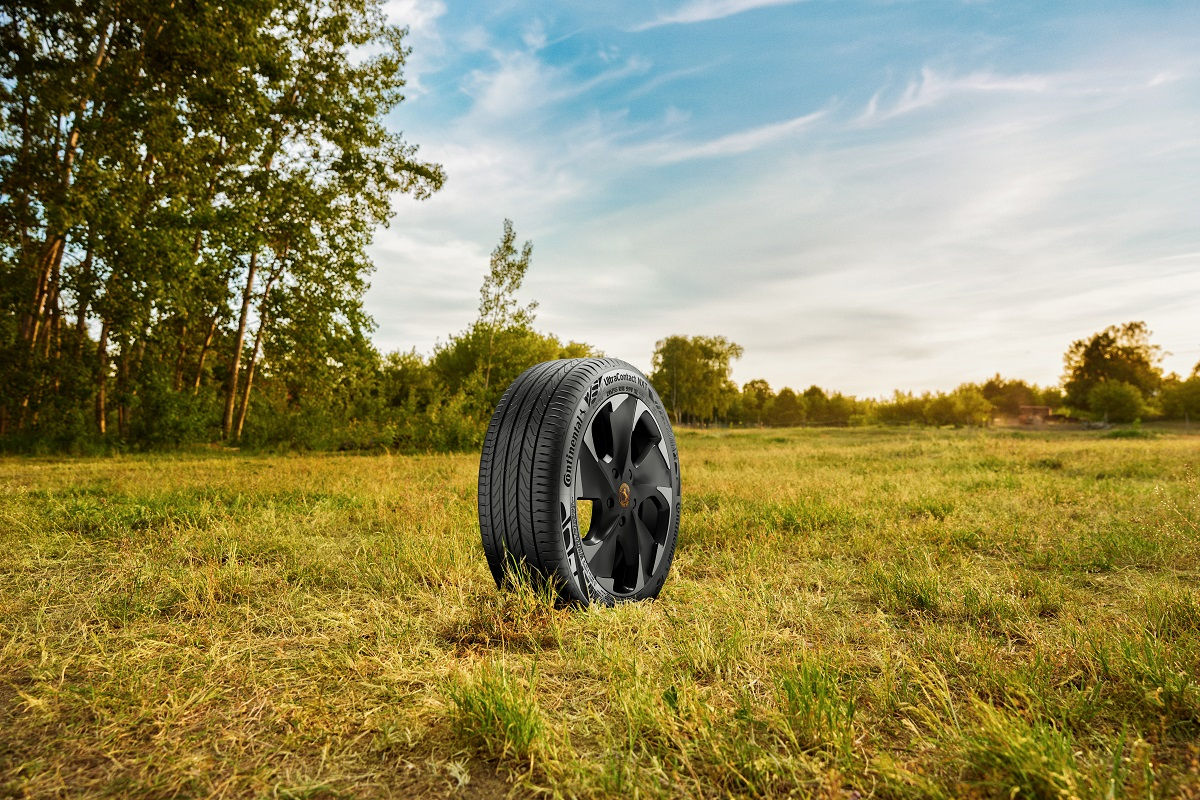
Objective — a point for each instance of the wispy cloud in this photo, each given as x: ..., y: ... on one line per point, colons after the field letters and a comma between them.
x: 521, y: 82
x: 933, y: 87
x: 705, y: 10
x: 669, y: 152
x: 662, y: 79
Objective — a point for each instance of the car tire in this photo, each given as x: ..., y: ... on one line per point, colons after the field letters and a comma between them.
x: 579, y: 483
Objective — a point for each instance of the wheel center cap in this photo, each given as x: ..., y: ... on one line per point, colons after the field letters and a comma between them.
x: 623, y: 495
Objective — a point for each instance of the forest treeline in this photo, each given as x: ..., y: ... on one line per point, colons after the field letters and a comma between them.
x: 1112, y: 376
x: 187, y: 193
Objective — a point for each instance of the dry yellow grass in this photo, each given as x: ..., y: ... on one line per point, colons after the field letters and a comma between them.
x: 896, y: 613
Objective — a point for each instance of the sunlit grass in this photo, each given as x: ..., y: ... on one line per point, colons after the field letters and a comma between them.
x: 904, y: 612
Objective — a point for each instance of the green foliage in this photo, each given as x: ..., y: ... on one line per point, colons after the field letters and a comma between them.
x: 787, y: 409
x: 757, y: 403
x: 189, y: 194
x: 965, y: 406
x: 1117, y: 354
x: 1008, y: 395
x: 691, y: 375
x: 481, y: 362
x: 1181, y: 398
x: 1116, y: 401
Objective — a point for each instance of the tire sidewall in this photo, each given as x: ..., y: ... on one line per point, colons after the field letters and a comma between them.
x: 612, y: 378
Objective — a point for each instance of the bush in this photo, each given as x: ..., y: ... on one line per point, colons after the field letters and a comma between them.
x: 1116, y: 401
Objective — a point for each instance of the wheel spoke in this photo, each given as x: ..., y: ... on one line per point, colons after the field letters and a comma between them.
x: 653, y: 471
x: 622, y: 420
x: 647, y: 546
x: 629, y: 544
x: 601, y: 553
x: 631, y: 552
x: 594, y: 480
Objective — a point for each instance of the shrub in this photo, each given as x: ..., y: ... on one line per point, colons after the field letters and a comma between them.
x: 1116, y: 401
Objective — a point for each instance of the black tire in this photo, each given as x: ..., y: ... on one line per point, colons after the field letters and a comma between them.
x: 576, y: 435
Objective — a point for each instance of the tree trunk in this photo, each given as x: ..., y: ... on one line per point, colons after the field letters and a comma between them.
x: 487, y: 371
x: 85, y: 295
x: 122, y: 392
x: 212, y: 330
x: 51, y: 255
x: 235, y: 363
x: 263, y: 319
x: 177, y: 374
x: 53, y: 312
x: 102, y: 381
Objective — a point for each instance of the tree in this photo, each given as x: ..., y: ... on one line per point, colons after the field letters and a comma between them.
x: 481, y: 361
x: 1116, y: 401
x: 1181, y: 398
x: 498, y: 306
x: 692, y: 375
x: 971, y: 406
x: 788, y: 409
x: 1007, y: 396
x: 817, y: 404
x: 1119, y: 353
x: 757, y: 400
x: 840, y: 409
x: 904, y: 408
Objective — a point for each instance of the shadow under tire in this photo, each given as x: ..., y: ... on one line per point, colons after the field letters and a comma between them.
x: 579, y: 483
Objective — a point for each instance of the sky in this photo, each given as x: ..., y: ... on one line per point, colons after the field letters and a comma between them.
x: 866, y: 196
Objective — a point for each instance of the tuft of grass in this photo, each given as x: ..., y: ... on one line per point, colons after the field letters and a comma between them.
x: 1006, y: 756
x: 903, y: 590
x: 817, y: 708
x: 497, y: 714
x: 1174, y: 613
x: 983, y: 605
x: 937, y: 508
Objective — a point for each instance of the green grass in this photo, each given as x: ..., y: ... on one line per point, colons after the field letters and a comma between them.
x: 889, y: 613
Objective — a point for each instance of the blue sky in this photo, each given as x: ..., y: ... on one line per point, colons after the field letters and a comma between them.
x: 865, y: 195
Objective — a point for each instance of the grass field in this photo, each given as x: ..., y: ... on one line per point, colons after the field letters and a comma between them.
x: 905, y: 613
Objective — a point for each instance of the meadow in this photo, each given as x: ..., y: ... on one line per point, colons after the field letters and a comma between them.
x: 852, y: 613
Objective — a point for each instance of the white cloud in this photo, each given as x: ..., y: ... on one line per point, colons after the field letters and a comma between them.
x: 667, y: 152
x: 1162, y: 78
x: 933, y: 88
x: 534, y: 36
x: 705, y: 10
x: 421, y: 18
x: 521, y: 82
